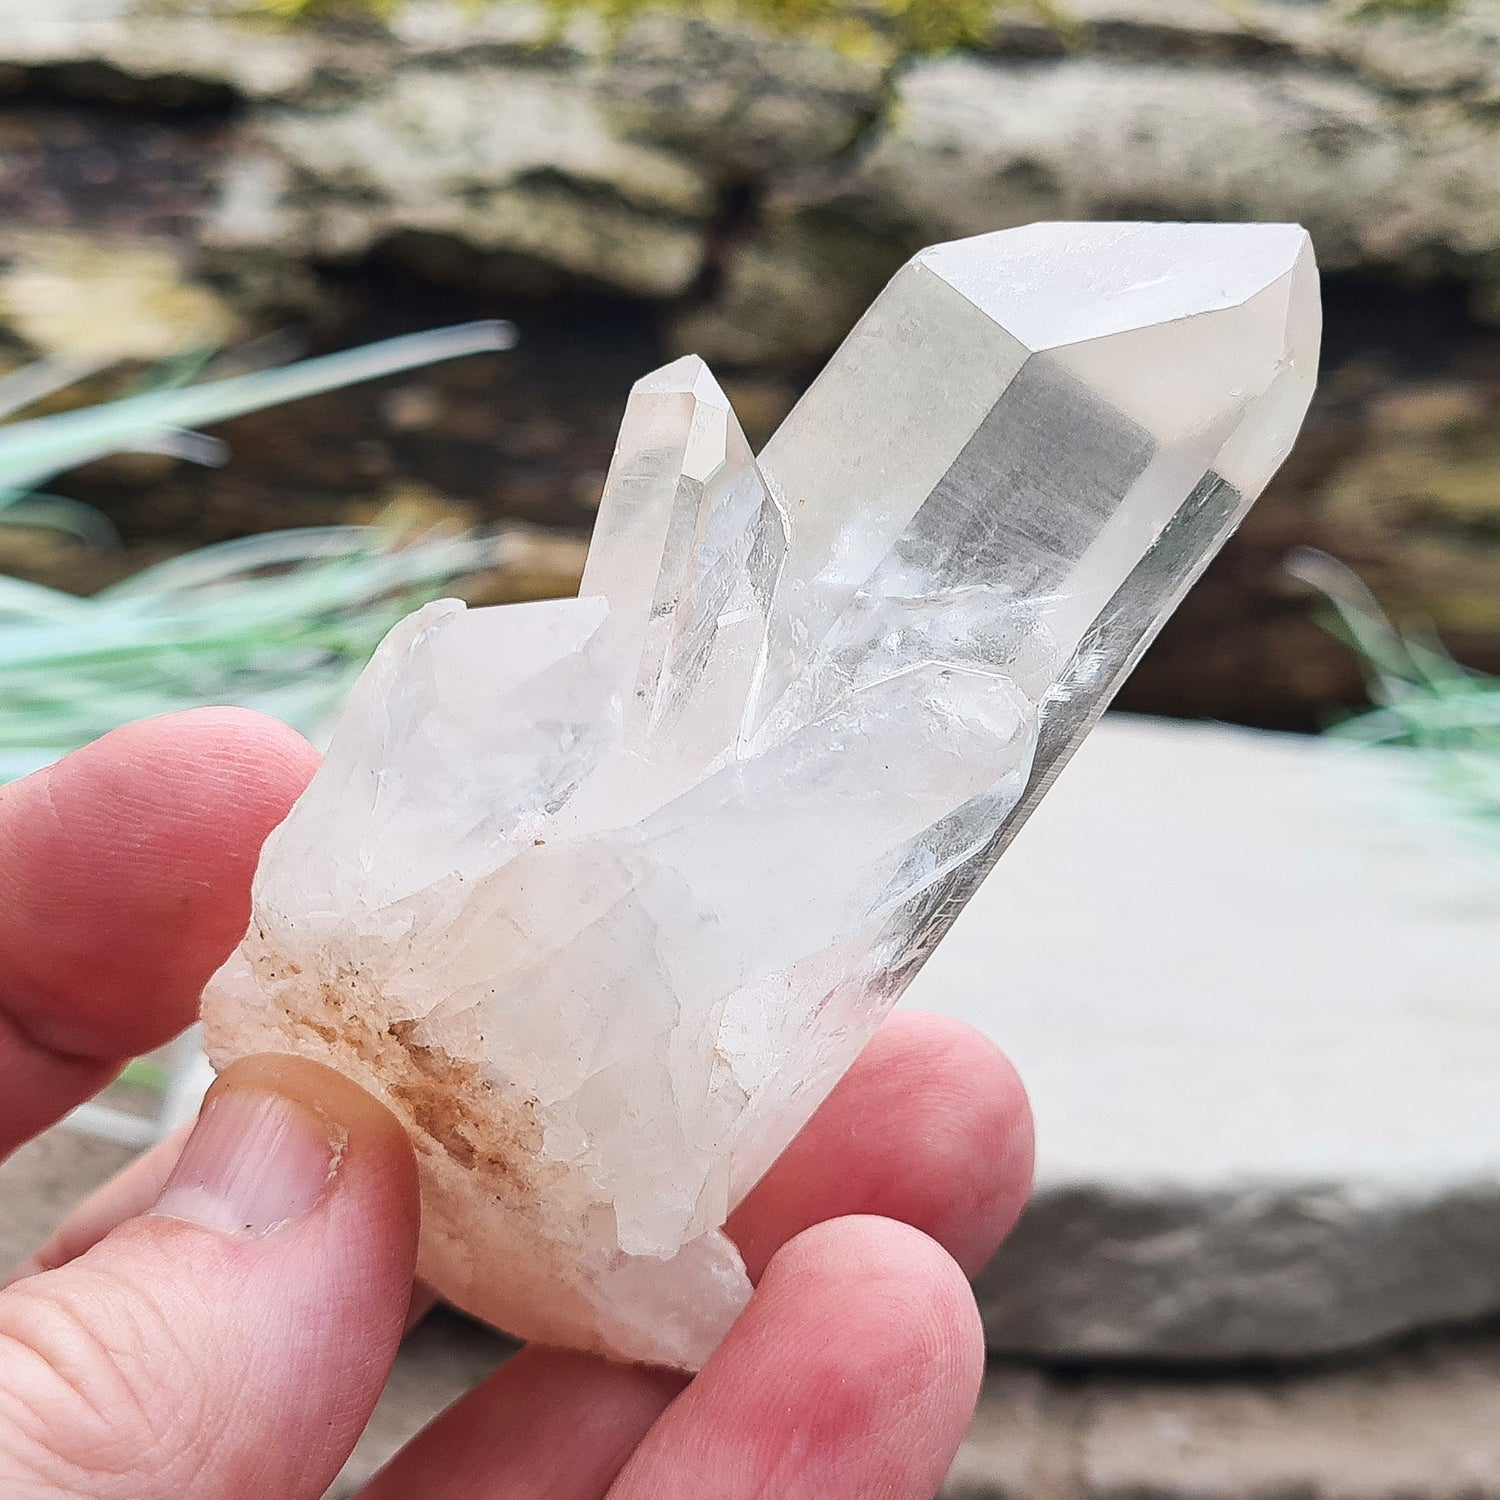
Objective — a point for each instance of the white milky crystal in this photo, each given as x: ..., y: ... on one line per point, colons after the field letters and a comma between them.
x: 602, y: 895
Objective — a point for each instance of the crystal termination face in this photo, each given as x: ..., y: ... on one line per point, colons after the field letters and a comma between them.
x: 602, y: 895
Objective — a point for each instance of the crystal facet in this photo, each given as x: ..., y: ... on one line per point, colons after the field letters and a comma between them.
x: 603, y: 895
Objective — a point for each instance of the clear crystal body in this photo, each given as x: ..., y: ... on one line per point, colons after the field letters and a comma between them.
x: 603, y: 895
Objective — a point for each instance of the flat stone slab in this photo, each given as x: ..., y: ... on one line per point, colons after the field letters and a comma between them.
x: 1250, y: 980
x: 1421, y: 1424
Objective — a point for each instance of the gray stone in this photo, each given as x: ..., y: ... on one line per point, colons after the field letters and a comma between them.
x: 741, y: 101
x: 1379, y: 181
x: 1376, y: 131
x: 1021, y: 1442
x: 1249, y: 980
x: 1452, y: 50
x: 1419, y: 1424
x: 519, y: 161
x: 1450, y: 47
x: 44, y: 1180
x: 158, y: 49
x: 788, y: 291
x: 609, y: 158
x: 1422, y: 1424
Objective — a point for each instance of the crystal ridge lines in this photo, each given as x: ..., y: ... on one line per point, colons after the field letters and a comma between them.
x: 602, y: 896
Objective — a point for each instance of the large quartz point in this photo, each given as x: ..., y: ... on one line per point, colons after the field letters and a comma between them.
x: 602, y: 895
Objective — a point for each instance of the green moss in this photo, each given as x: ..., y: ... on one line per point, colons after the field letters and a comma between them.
x: 908, y: 26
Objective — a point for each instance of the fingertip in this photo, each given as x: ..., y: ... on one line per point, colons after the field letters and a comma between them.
x: 374, y: 1143
x: 225, y: 732
x: 931, y: 1126
x: 134, y: 859
x: 979, y: 1155
x: 854, y: 1371
x: 880, y: 1328
x: 904, y: 1301
x: 193, y: 758
x: 264, y: 1291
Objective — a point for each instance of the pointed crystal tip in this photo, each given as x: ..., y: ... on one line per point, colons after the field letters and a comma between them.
x: 602, y: 896
x: 1053, y: 284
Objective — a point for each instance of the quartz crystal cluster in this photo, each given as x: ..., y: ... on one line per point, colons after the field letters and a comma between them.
x: 602, y: 895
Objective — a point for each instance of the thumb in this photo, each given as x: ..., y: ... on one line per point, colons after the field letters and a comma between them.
x: 233, y: 1339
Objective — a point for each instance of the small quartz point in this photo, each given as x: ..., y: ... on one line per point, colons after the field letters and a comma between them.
x: 602, y: 895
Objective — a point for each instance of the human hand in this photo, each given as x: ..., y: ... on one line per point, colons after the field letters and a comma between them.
x: 219, y: 1320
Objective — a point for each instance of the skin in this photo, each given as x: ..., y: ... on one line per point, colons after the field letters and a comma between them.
x: 144, y: 1356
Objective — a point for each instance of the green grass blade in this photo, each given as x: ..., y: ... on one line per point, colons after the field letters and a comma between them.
x: 33, y: 451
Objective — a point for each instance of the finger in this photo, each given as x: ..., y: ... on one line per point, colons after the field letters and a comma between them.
x: 131, y: 1192
x: 853, y: 1373
x: 930, y: 1126
x: 124, y: 882
x: 233, y: 1340
x: 550, y: 1422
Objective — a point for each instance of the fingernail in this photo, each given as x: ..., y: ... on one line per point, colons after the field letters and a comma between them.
x: 254, y: 1162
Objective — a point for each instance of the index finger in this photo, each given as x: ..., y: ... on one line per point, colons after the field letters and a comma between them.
x: 929, y: 1127
x: 125, y: 876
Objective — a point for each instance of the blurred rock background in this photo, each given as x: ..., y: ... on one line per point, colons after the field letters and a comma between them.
x: 182, y: 176
x: 185, y: 173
